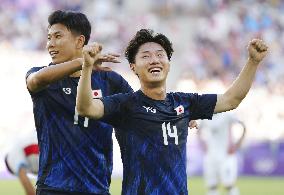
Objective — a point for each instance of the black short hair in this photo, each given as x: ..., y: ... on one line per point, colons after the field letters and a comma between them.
x: 145, y: 36
x: 76, y: 22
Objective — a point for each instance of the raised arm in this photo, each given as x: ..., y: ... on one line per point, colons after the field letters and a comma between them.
x: 240, y: 87
x: 85, y: 104
x: 42, y: 78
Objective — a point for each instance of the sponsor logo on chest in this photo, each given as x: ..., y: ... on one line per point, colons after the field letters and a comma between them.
x: 150, y: 109
x: 67, y: 90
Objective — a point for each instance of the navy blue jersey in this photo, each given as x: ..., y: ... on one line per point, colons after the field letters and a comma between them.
x: 75, y: 152
x: 152, y: 136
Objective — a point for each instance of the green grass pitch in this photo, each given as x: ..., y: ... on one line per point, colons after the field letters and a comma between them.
x: 247, y: 185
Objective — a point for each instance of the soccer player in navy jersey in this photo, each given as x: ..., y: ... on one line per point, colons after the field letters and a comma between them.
x: 151, y: 124
x: 75, y: 152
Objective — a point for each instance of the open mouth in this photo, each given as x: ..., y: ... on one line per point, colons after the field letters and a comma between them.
x: 53, y: 53
x: 155, y: 70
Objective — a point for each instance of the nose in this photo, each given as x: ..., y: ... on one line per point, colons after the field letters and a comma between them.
x: 49, y: 43
x: 154, y: 59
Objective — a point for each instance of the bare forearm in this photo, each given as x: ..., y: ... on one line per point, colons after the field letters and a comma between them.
x: 242, y: 84
x: 53, y: 73
x: 84, y: 91
x: 238, y: 90
x: 28, y: 186
x: 85, y: 104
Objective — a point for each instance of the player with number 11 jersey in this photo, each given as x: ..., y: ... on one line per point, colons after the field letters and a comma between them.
x: 76, y: 152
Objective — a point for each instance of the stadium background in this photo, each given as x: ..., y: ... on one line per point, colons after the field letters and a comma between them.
x: 209, y: 38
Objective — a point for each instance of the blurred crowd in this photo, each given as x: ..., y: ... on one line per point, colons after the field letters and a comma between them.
x: 209, y: 38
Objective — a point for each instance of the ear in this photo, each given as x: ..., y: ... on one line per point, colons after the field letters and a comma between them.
x: 80, y: 41
x: 133, y: 68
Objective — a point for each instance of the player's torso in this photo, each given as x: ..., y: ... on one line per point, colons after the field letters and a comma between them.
x: 72, y: 145
x: 60, y: 97
x: 154, y: 145
x: 161, y: 123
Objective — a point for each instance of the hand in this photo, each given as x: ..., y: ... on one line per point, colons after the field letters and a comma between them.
x: 110, y: 57
x: 257, y: 50
x: 91, y: 54
x: 192, y: 124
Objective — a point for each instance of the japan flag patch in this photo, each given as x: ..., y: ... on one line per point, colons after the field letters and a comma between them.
x: 179, y: 110
x: 97, y: 93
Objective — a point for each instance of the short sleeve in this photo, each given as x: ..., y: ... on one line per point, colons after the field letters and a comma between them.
x: 32, y: 70
x: 202, y: 106
x: 120, y: 85
x: 115, y: 109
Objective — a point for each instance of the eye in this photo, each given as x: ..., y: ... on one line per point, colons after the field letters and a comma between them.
x: 160, y: 55
x: 58, y: 36
x: 48, y: 38
x: 145, y: 57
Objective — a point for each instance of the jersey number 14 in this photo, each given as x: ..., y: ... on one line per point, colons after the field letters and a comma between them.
x: 171, y: 132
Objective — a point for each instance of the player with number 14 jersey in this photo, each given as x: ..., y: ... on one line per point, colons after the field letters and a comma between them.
x: 152, y: 136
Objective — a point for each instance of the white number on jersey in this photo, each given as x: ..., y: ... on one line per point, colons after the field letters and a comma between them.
x: 167, y: 131
x: 76, y: 118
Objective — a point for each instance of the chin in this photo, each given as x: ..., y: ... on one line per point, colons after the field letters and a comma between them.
x: 157, y: 80
x: 57, y: 61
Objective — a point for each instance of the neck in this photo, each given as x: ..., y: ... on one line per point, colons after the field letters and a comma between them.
x: 156, y: 93
x: 76, y: 56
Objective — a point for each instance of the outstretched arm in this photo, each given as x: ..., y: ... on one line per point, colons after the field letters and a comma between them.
x: 25, y: 181
x: 85, y: 104
x: 240, y: 87
x: 42, y: 78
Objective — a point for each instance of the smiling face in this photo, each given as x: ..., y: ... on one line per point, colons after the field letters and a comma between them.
x: 62, y: 45
x: 151, y: 64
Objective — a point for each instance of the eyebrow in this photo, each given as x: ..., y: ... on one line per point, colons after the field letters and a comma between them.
x: 54, y: 33
x: 160, y: 50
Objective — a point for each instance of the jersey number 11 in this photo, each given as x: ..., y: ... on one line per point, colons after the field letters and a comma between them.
x: 76, y: 118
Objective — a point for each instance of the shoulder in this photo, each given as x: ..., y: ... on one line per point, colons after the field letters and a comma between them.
x: 34, y: 69
x: 37, y: 67
x: 122, y: 96
x: 110, y: 75
x: 116, y: 82
x: 124, y: 99
x: 181, y: 95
